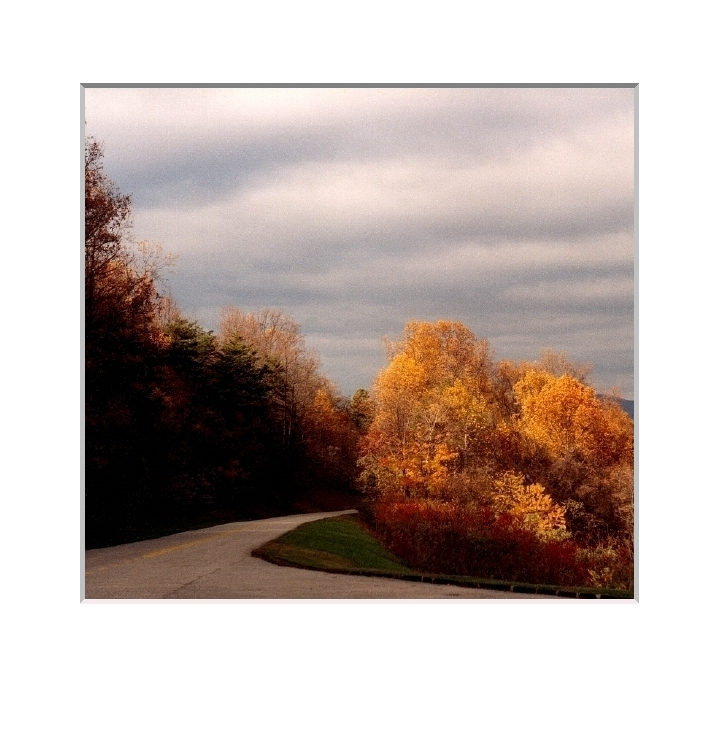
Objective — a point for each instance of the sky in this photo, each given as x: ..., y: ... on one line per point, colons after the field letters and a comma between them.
x: 356, y: 210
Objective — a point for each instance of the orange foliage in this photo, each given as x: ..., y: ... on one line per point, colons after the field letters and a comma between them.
x: 565, y: 417
x: 431, y: 401
x: 452, y: 427
x: 530, y: 506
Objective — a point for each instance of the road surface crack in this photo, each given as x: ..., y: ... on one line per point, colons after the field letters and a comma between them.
x: 199, y: 577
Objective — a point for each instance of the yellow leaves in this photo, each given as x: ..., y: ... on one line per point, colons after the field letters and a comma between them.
x: 432, y: 390
x: 398, y: 392
x: 323, y: 405
x: 446, y: 351
x: 529, y: 505
x: 422, y: 469
x: 430, y: 401
x: 328, y: 422
x: 447, y: 420
x: 464, y: 405
x: 565, y: 417
x: 529, y: 386
x: 403, y: 377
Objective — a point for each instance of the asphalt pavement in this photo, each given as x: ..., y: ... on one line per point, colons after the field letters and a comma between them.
x: 216, y: 563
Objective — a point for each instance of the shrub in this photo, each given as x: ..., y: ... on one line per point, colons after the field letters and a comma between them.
x: 435, y: 536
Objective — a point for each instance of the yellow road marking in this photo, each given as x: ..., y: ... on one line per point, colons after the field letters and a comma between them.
x: 167, y: 550
x: 177, y: 547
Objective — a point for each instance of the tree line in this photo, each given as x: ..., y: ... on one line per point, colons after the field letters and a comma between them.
x: 182, y: 423
x: 499, y: 469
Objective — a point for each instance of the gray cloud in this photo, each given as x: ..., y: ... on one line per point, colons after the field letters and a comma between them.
x: 357, y: 209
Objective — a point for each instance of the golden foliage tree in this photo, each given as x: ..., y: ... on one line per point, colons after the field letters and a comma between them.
x: 569, y: 422
x: 530, y: 506
x: 451, y: 425
x: 431, y: 403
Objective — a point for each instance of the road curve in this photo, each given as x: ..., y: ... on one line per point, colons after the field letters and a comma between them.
x: 216, y: 563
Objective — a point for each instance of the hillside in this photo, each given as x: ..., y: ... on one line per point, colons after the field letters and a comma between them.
x: 628, y: 406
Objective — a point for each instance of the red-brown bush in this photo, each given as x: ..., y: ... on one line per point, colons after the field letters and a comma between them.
x: 438, y: 537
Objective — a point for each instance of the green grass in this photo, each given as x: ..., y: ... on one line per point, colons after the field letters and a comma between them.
x: 343, y: 544
x: 338, y: 544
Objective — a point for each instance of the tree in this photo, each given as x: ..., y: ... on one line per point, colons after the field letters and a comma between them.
x: 107, y: 221
x: 190, y: 347
x: 123, y: 351
x: 182, y: 423
x: 277, y: 341
x: 567, y: 419
x: 361, y: 409
x: 123, y: 277
x: 512, y: 466
x: 331, y: 440
x: 434, y: 409
x: 450, y: 424
x: 586, y: 447
x: 530, y: 506
x: 317, y: 440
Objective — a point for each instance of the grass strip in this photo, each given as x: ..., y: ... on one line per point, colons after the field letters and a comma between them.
x: 343, y: 545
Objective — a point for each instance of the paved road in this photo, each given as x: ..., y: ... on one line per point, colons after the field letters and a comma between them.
x: 216, y: 563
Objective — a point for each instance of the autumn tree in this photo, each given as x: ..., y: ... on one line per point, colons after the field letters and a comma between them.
x: 433, y: 408
x: 107, y: 221
x: 276, y: 339
x: 452, y: 425
x: 510, y: 469
x: 529, y: 505
x: 124, y: 302
x: 317, y: 436
x: 587, y: 448
x: 123, y: 344
x: 331, y: 439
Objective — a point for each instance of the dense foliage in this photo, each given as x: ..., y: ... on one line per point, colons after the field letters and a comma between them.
x: 182, y: 424
x: 510, y: 470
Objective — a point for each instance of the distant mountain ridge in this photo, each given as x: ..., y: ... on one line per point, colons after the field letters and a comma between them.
x: 626, y: 405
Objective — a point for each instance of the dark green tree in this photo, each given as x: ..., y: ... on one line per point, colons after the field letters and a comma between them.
x: 361, y: 409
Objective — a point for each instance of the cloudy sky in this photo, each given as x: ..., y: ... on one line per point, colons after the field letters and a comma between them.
x: 356, y: 210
